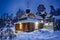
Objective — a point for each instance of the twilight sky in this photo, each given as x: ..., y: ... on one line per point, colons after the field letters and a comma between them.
x: 12, y: 6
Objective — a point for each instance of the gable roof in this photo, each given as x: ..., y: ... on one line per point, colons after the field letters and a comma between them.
x: 32, y: 19
x: 31, y: 15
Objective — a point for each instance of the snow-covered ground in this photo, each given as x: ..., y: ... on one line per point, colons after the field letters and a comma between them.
x: 42, y: 34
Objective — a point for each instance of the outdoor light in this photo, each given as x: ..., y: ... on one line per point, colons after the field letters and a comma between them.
x: 41, y: 21
x: 36, y: 22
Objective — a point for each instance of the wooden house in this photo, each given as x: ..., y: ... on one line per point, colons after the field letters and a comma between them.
x: 30, y: 22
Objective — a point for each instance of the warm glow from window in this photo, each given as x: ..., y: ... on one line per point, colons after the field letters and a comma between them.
x: 19, y: 31
x: 20, y: 26
x: 23, y: 16
x: 31, y: 15
x: 41, y: 21
x: 36, y: 22
x: 36, y: 25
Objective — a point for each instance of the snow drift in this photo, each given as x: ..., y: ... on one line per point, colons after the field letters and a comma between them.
x: 42, y: 34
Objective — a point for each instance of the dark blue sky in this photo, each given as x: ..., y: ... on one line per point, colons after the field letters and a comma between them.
x: 12, y: 6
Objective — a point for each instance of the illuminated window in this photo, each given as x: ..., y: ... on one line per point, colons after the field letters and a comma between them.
x: 31, y: 15
x: 23, y: 16
x: 20, y: 25
x: 41, y: 21
x: 36, y: 25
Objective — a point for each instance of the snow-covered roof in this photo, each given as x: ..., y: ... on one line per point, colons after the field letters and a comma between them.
x: 32, y: 19
x: 28, y: 20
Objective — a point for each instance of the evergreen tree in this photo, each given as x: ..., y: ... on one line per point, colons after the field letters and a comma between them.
x: 52, y: 10
x: 7, y: 23
x: 41, y: 11
x: 57, y: 24
x: 9, y: 30
x: 18, y: 14
x: 58, y: 12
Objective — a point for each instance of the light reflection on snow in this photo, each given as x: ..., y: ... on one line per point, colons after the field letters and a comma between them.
x: 39, y: 35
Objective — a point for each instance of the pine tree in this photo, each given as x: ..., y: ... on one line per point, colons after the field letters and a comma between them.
x: 41, y: 9
x: 8, y: 23
x: 18, y: 14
